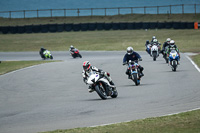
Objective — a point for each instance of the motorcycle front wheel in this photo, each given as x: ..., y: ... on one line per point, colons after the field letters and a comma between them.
x: 101, y: 91
x: 154, y: 56
x: 135, y: 78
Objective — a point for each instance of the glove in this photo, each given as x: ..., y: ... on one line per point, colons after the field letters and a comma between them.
x: 85, y: 80
x: 140, y: 59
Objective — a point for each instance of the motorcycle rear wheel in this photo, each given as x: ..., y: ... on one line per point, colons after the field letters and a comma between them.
x: 115, y: 94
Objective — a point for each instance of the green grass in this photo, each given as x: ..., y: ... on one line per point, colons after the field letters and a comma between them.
x: 94, y: 19
x: 188, y: 122
x: 196, y: 59
x: 186, y: 40
x: 8, y: 66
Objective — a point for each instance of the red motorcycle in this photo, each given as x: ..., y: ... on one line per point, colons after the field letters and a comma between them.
x: 76, y: 53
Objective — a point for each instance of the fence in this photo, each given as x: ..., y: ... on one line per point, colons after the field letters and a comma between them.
x: 95, y: 26
x: 168, y: 9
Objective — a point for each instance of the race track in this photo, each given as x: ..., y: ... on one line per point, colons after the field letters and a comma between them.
x: 53, y: 96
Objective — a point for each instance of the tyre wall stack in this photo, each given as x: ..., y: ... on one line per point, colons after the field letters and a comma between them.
x: 94, y: 26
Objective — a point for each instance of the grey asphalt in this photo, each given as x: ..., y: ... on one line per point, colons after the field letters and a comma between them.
x: 53, y: 96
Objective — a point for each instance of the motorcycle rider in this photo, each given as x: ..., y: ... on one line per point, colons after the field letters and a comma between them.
x: 87, y: 68
x: 42, y: 51
x: 171, y: 47
x: 71, y: 49
x: 166, y: 44
x: 154, y: 37
x: 133, y: 56
x: 147, y: 44
x: 155, y: 42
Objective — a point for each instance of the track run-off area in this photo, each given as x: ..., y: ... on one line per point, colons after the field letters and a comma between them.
x: 53, y: 95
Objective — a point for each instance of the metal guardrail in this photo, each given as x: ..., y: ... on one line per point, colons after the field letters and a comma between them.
x: 90, y: 11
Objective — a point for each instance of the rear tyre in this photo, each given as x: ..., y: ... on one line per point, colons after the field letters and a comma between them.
x: 80, y: 55
x: 115, y: 94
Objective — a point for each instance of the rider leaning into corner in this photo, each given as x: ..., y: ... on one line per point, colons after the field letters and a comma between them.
x: 42, y: 51
x: 133, y: 56
x: 87, y: 68
x: 71, y: 49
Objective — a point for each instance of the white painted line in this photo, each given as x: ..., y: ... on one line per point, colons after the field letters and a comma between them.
x: 195, y: 65
x: 146, y: 118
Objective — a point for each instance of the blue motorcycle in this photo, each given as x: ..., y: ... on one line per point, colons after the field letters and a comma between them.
x: 173, y: 60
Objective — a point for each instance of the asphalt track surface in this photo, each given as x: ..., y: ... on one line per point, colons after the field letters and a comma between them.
x: 53, y: 96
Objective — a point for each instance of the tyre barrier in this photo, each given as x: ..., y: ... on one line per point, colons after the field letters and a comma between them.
x: 44, y: 28
x: 84, y: 27
x: 100, y: 26
x: 60, y: 27
x: 76, y: 27
x: 68, y: 27
x: 94, y: 26
x: 52, y: 27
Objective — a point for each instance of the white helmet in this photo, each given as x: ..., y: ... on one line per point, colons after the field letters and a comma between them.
x: 155, y: 40
x: 129, y: 50
x: 172, y: 42
x: 168, y: 40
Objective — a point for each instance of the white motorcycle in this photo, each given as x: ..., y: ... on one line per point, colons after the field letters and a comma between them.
x: 154, y: 52
x: 101, y: 85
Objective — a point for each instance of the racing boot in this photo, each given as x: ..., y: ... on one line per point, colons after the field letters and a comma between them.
x: 112, y: 85
x: 90, y: 89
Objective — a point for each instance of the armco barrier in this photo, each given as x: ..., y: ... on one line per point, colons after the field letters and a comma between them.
x: 95, y: 26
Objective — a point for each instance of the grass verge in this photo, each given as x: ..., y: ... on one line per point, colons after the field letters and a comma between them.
x: 186, y: 40
x: 106, y: 19
x: 8, y: 66
x: 188, y: 122
x: 196, y: 59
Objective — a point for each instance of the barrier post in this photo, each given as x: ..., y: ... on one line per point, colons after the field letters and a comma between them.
x: 195, y: 25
